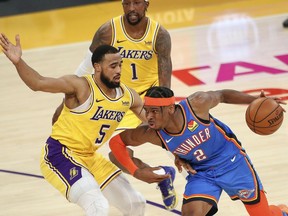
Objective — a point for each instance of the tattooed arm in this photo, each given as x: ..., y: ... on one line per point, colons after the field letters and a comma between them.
x: 163, y: 48
x: 102, y: 36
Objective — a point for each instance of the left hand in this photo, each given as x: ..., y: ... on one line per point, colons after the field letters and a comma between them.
x: 13, y: 52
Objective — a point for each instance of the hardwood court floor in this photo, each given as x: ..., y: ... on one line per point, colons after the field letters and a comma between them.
x: 233, y: 51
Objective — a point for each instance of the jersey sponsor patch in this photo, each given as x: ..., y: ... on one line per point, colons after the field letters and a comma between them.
x: 148, y: 43
x: 192, y: 125
x: 125, y: 103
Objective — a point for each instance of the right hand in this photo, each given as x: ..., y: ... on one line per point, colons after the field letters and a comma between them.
x: 147, y: 175
x: 13, y: 52
x: 179, y: 163
x: 277, y: 99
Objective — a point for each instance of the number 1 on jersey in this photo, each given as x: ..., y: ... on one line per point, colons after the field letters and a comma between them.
x: 134, y: 73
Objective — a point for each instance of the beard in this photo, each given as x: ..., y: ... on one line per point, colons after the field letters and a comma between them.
x: 133, y: 22
x: 108, y: 83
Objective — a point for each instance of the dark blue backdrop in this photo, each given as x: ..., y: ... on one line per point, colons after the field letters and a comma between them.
x: 13, y: 7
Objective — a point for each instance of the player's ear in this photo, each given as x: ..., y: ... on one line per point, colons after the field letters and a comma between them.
x: 171, y: 108
x: 97, y: 67
x: 147, y: 5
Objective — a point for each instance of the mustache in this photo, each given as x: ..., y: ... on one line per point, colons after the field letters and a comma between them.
x: 132, y: 13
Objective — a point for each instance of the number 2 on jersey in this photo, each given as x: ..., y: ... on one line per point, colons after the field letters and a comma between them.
x: 199, y: 154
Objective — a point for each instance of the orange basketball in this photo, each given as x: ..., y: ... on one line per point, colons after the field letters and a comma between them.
x: 264, y: 116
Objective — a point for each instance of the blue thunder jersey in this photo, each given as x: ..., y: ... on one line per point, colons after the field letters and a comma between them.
x: 204, y: 144
x: 86, y: 130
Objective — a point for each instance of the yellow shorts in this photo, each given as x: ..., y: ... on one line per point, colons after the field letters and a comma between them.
x: 62, y: 168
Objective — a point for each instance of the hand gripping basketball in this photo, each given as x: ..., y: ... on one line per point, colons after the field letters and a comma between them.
x: 264, y: 116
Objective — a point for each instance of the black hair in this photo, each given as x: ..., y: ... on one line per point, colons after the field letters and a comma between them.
x: 159, y: 92
x: 101, y: 51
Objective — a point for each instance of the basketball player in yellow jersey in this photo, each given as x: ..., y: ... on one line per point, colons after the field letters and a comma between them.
x: 140, y: 59
x: 145, y: 47
x: 94, y: 105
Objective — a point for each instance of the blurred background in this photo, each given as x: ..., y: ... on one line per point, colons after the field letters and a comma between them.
x: 216, y: 44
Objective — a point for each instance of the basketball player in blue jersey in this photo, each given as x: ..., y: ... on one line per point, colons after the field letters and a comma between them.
x: 202, y: 142
x: 94, y: 105
x: 145, y: 47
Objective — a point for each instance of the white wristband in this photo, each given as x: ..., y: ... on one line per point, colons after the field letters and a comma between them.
x: 159, y: 171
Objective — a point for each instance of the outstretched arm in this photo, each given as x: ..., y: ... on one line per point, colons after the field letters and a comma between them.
x: 163, y: 49
x: 71, y: 85
x: 29, y: 76
x: 202, y: 102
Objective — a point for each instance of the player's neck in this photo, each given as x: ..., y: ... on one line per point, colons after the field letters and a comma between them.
x: 176, y: 122
x: 136, y: 31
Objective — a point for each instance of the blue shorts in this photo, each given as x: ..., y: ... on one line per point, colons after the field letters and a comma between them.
x: 237, y: 178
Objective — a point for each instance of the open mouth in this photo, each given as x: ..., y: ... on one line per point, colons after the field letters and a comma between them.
x: 117, y: 78
x: 151, y: 124
x: 133, y: 17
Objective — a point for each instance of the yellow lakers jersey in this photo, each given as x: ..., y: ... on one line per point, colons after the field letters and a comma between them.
x: 85, y: 131
x: 140, y: 66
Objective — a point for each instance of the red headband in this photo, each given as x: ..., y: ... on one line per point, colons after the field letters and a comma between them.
x: 149, y: 101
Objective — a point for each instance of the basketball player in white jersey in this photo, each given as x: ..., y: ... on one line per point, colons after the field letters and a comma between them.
x: 94, y: 105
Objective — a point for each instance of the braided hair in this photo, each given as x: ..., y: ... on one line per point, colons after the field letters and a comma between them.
x: 159, y: 92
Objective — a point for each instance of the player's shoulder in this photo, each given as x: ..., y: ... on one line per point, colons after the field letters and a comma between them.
x: 163, y: 32
x: 163, y: 40
x: 131, y: 90
x: 85, y: 79
x: 105, y: 26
